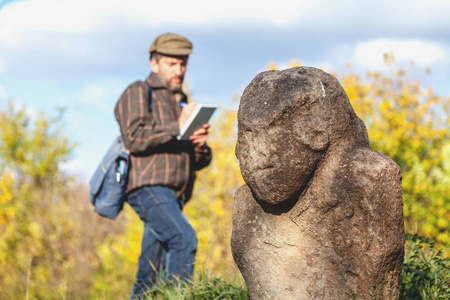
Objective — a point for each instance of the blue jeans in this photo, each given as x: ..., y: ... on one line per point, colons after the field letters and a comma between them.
x: 169, y: 242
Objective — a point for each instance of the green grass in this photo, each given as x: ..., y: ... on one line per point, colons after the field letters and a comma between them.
x: 203, y: 286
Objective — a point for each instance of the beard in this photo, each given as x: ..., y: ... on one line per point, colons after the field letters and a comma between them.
x: 175, y: 86
x: 175, y: 89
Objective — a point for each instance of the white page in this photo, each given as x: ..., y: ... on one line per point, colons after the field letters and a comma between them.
x: 201, y: 115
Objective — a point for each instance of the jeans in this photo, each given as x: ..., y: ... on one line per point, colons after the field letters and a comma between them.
x: 169, y: 242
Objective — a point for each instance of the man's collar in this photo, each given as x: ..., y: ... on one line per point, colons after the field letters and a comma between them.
x: 156, y: 81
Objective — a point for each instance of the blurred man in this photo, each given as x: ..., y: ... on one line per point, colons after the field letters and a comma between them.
x: 162, y: 168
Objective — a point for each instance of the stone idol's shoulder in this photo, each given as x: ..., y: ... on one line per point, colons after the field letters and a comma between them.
x: 373, y: 161
x: 243, y: 199
x: 243, y: 191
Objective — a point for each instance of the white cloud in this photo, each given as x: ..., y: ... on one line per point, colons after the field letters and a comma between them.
x: 21, y: 19
x: 59, y: 36
x: 52, y: 36
x: 370, y: 54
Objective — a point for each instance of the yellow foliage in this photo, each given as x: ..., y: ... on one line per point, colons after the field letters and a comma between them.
x: 295, y: 63
x: 46, y: 243
x: 272, y: 66
x: 401, y: 121
x: 5, y: 188
x: 6, y: 212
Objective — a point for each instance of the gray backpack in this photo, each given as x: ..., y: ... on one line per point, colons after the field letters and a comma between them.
x: 109, y: 182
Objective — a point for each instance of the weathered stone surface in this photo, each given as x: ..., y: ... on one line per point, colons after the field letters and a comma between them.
x: 321, y: 214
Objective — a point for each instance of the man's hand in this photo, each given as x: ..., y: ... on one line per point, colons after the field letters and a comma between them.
x: 185, y: 113
x: 200, y: 136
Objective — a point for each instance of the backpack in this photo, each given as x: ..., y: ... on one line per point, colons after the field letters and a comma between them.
x: 109, y: 181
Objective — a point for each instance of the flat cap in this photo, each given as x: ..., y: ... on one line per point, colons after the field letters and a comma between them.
x: 171, y: 44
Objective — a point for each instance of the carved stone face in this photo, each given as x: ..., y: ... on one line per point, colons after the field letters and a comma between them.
x: 275, y: 161
x: 281, y: 138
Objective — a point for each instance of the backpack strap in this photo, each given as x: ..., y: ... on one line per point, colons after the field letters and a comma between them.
x: 149, y: 94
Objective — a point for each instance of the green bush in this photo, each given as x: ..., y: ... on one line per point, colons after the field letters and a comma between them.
x: 426, y: 272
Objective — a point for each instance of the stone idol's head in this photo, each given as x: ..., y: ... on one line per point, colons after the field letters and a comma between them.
x: 283, y: 130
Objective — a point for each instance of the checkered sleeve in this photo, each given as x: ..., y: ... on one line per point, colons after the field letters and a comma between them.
x: 139, y: 129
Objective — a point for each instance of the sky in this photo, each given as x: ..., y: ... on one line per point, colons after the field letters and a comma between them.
x: 81, y: 55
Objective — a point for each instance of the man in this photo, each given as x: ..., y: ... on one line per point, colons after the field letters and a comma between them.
x: 162, y: 168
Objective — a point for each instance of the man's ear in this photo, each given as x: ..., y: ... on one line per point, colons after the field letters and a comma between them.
x: 154, y: 65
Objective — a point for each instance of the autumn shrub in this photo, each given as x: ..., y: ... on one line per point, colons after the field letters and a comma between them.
x: 410, y: 124
x: 48, y: 231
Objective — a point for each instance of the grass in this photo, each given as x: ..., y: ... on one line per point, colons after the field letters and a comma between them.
x: 203, y: 286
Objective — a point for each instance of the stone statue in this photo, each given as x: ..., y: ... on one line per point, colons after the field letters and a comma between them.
x: 321, y: 213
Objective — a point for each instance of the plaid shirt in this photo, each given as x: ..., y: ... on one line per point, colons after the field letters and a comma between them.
x: 156, y: 156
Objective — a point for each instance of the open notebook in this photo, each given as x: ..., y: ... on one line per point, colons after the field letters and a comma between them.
x: 199, y: 116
